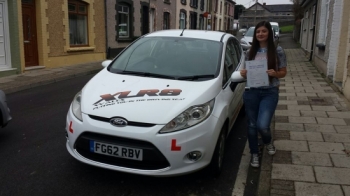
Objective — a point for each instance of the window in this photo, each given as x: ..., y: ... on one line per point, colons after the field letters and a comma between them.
x: 231, y: 57
x: 182, y: 19
x: 193, y: 20
x: 202, y: 5
x: 183, y: 2
x: 201, y: 22
x: 166, y: 20
x: 123, y: 21
x: 78, y: 16
x: 216, y: 6
x: 220, y: 24
x: 194, y: 3
x: 220, y: 7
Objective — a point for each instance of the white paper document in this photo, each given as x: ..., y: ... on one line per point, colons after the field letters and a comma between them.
x: 256, y: 73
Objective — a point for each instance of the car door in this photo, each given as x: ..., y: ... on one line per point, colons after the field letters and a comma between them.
x: 229, y: 88
x: 237, y: 88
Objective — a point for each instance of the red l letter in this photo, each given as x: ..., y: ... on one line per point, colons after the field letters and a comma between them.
x: 174, y: 147
x: 70, y: 127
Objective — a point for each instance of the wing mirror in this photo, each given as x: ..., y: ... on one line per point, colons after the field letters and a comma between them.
x: 236, y: 77
x: 106, y: 63
x: 243, y: 34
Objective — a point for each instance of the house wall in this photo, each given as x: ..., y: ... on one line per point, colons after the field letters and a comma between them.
x: 321, y: 55
x: 334, y: 42
x: 346, y: 75
x: 53, y: 34
x: 14, y: 39
x: 111, y: 23
x: 342, y: 48
x: 186, y: 8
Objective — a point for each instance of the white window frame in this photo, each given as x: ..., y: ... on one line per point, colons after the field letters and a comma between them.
x: 128, y: 20
x: 182, y: 20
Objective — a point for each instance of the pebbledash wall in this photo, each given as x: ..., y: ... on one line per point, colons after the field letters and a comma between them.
x: 53, y: 34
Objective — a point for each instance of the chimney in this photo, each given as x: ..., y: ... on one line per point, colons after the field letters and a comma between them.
x: 264, y: 4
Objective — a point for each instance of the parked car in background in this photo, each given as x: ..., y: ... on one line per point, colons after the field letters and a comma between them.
x: 243, y: 30
x: 276, y: 29
x: 247, y: 39
x: 4, y: 110
x: 162, y: 107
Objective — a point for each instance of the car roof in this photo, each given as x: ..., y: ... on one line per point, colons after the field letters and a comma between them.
x: 199, y: 34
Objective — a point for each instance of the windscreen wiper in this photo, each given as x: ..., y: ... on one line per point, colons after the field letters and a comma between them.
x: 195, y: 77
x: 147, y: 74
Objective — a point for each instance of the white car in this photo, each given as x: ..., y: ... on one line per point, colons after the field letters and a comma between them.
x: 162, y: 107
x: 276, y: 29
x: 247, y: 39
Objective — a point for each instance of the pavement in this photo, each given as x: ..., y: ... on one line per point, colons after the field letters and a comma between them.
x: 39, y: 77
x: 311, y: 131
x: 311, y: 128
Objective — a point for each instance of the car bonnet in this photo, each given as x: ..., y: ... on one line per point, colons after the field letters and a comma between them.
x: 144, y: 99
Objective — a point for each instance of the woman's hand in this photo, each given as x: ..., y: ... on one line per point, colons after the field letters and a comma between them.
x: 281, y: 73
x: 272, y: 73
x: 244, y: 73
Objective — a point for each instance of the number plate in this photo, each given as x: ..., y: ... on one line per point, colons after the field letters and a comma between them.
x: 115, y: 150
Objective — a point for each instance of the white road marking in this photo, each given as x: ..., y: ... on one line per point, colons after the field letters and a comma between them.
x: 239, y: 187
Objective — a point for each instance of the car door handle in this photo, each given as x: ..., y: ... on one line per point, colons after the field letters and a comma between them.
x: 26, y: 41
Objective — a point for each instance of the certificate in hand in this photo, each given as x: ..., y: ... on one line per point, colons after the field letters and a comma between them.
x: 256, y: 73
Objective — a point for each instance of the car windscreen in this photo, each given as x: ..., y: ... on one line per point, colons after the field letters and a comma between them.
x: 275, y: 28
x: 169, y: 56
x: 250, y: 32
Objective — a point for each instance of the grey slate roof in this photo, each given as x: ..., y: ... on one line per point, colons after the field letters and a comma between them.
x: 277, y: 7
x: 280, y: 8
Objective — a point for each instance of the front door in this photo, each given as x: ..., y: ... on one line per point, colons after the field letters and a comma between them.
x: 29, y: 33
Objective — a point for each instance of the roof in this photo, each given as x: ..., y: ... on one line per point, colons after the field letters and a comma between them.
x: 200, y: 34
x: 276, y: 8
x: 280, y: 8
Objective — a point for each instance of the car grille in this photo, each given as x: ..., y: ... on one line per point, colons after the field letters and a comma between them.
x: 130, y: 123
x: 153, y: 159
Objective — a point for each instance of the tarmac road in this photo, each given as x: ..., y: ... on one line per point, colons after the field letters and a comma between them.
x: 34, y: 159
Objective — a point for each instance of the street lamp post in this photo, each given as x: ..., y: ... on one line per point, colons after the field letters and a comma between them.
x: 256, y: 6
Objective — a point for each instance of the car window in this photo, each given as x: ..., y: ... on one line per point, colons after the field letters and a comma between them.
x: 275, y: 28
x: 238, y: 49
x: 173, y: 56
x: 231, y: 52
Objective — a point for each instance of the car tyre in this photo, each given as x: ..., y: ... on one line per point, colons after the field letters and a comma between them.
x: 218, y: 156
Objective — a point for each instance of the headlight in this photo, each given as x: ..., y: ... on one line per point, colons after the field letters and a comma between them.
x: 189, y: 117
x: 76, y: 106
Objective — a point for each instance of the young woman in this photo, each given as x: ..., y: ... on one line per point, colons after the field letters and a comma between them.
x: 260, y: 102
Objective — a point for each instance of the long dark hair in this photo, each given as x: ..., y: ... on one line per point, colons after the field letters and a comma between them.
x: 271, y: 49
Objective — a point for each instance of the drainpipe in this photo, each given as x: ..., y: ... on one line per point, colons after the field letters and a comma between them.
x: 106, y: 30
x: 313, y: 33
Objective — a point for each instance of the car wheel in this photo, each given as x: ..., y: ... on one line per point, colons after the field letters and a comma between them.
x: 218, y: 156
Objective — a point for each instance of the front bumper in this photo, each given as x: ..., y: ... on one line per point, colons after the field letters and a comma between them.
x: 160, y: 158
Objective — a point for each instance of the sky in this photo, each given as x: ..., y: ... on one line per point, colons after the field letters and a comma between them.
x: 248, y: 3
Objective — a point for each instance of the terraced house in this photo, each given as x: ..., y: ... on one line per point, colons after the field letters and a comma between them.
x: 57, y: 33
x: 325, y: 37
x: 129, y: 19
x: 10, y: 62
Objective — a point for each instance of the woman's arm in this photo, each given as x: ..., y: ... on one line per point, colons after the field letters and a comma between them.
x: 281, y: 73
x: 282, y: 65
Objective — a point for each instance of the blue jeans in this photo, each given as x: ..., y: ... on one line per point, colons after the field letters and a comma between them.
x: 260, y: 105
